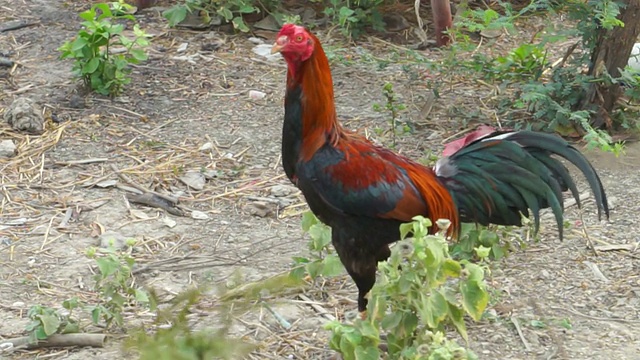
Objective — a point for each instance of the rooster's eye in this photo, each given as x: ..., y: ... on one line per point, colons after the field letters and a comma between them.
x: 299, y: 38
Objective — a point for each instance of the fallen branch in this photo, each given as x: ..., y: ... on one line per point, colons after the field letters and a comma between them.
x: 15, y: 25
x: 127, y: 180
x: 153, y: 200
x: 57, y: 340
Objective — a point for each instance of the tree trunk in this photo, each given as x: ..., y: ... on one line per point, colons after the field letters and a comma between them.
x: 611, y: 52
x: 441, y: 10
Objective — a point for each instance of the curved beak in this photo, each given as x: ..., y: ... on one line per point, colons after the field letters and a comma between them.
x: 279, y: 44
x: 276, y: 48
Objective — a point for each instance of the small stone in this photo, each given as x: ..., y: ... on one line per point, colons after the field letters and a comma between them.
x: 199, y: 215
x: 268, y: 23
x: 7, y: 149
x: 18, y: 304
x: 107, y: 183
x: 282, y: 190
x: 256, y: 40
x: 182, y: 47
x: 259, y: 208
x: 265, y: 50
x: 256, y: 95
x: 395, y: 22
x: 25, y: 115
x: 77, y: 102
x: 206, y: 146
x: 169, y: 222
x: 194, y: 179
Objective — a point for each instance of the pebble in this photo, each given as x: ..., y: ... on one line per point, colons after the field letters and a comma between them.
x: 7, y: 149
x: 282, y: 190
x: 256, y: 95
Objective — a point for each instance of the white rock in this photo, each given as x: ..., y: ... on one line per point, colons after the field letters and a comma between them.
x: 107, y: 183
x: 7, y: 149
x: 194, y: 179
x: 182, y: 47
x: 206, y: 146
x: 256, y: 95
x: 199, y: 215
x: 265, y: 50
x: 169, y: 222
x: 256, y: 40
x: 634, y: 59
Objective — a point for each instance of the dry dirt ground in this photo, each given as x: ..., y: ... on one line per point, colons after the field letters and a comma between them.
x: 53, y: 208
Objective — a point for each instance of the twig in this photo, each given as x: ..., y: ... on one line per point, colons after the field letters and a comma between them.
x: 281, y: 320
x: 81, y: 162
x: 576, y: 312
x: 596, y: 271
x: 58, y: 340
x: 15, y: 25
x: 319, y: 309
x: 126, y: 179
x: 516, y: 323
x: 155, y: 201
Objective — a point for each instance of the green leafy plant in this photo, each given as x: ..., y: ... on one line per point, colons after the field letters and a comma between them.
x: 421, y: 290
x: 478, y: 242
x: 96, y: 63
x: 323, y: 260
x: 46, y: 321
x: 180, y: 341
x: 353, y: 16
x: 394, y: 107
x: 229, y: 10
x: 114, y: 282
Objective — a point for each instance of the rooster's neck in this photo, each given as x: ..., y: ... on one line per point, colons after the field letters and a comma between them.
x: 310, y: 113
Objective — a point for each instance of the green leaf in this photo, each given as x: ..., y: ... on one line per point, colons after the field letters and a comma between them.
x: 141, y: 296
x: 139, y: 54
x: 104, y: 8
x: 405, y: 229
x: 320, y: 235
x: 70, y: 328
x: 78, y: 44
x: 366, y: 353
x: 50, y: 323
x: 175, y: 14
x: 247, y: 9
x: 538, y: 324
x: 88, y: 15
x: 451, y: 268
x: 314, y: 268
x: 91, y: 66
x: 482, y: 252
x: 40, y: 333
x: 345, y: 12
x: 331, y: 266
x: 107, y: 266
x: 225, y: 13
x: 308, y: 220
x: 238, y: 23
x: 474, y: 298
x: 71, y: 304
x: 456, y: 315
x: 391, y: 320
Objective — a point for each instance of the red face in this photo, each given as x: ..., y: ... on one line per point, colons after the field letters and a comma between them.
x: 294, y: 43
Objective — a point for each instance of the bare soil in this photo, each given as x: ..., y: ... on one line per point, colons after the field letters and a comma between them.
x: 548, y: 301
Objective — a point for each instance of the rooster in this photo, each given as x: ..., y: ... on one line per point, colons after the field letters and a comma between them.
x: 364, y: 192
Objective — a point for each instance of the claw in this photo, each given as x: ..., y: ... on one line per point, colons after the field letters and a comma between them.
x: 363, y: 315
